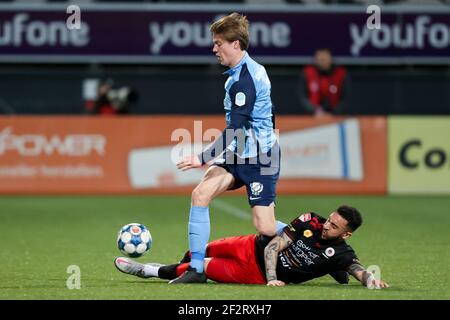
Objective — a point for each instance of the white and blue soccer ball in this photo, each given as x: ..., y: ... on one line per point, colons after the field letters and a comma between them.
x: 134, y: 240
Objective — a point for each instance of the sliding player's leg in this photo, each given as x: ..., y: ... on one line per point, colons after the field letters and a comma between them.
x: 129, y: 266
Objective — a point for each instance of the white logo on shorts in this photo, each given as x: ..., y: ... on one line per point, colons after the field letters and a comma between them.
x: 256, y: 188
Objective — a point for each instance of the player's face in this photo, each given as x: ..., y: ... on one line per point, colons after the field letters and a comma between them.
x: 335, y: 228
x: 226, y: 52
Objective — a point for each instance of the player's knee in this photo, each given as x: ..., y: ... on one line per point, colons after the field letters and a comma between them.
x: 267, y: 229
x: 264, y: 220
x: 200, y: 197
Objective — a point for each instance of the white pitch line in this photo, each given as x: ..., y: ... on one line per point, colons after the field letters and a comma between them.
x: 230, y: 209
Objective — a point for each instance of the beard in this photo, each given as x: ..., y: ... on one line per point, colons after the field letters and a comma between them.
x: 329, y: 240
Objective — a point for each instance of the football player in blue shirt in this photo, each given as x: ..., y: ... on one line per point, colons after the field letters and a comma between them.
x: 246, y: 154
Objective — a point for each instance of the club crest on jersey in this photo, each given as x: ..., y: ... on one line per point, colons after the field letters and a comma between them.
x: 307, y: 233
x: 256, y: 188
x: 239, y: 100
x: 329, y: 252
x: 305, y: 217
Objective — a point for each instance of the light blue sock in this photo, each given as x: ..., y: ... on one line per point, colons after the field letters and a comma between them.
x: 199, y: 229
x: 280, y: 227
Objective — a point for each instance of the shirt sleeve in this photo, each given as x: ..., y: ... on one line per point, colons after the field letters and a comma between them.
x: 346, y: 261
x: 243, y: 97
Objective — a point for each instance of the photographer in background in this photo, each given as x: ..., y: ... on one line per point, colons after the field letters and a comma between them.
x: 110, y: 100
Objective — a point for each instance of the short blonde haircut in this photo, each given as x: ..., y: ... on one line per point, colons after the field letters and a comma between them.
x: 233, y: 27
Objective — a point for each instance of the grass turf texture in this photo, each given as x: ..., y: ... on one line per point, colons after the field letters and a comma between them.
x: 407, y: 237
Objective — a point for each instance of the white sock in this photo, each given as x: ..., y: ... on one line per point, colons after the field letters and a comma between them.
x: 150, y: 270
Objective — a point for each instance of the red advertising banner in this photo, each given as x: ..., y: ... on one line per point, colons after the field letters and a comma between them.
x: 135, y: 155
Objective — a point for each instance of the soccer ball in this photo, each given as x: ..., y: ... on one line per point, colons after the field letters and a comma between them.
x: 134, y: 240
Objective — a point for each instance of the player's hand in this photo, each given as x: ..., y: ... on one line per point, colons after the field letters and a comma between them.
x: 189, y: 162
x: 373, y: 283
x: 275, y: 283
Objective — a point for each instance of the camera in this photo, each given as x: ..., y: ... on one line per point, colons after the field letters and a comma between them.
x: 120, y: 98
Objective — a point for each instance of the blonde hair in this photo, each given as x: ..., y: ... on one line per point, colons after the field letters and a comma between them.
x: 233, y: 27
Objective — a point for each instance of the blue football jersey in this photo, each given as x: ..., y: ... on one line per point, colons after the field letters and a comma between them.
x: 248, y: 110
x: 247, y: 93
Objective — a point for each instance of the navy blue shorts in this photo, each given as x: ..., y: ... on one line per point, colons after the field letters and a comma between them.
x: 259, y: 177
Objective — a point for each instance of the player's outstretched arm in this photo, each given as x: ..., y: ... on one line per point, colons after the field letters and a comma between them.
x: 365, y: 277
x: 271, y: 251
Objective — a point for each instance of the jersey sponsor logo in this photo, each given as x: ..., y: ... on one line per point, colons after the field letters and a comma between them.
x: 329, y: 252
x: 256, y: 188
x: 300, y: 252
x: 305, y: 217
x: 307, y: 233
x: 284, y: 261
x: 300, y: 244
x: 239, y: 100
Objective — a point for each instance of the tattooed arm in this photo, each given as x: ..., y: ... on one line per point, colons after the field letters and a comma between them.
x: 365, y: 277
x: 271, y: 251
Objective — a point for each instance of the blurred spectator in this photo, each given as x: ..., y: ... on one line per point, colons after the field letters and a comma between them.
x: 110, y: 100
x: 324, y: 87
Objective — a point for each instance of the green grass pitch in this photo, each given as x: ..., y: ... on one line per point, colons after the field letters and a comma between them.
x: 407, y: 237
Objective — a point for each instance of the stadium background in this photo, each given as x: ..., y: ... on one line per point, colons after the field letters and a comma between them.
x: 69, y: 181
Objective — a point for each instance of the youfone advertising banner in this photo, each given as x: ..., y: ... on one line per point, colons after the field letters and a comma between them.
x: 419, y: 155
x: 126, y: 155
x: 180, y: 33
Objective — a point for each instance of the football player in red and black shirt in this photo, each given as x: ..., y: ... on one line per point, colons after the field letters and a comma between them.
x: 309, y: 247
